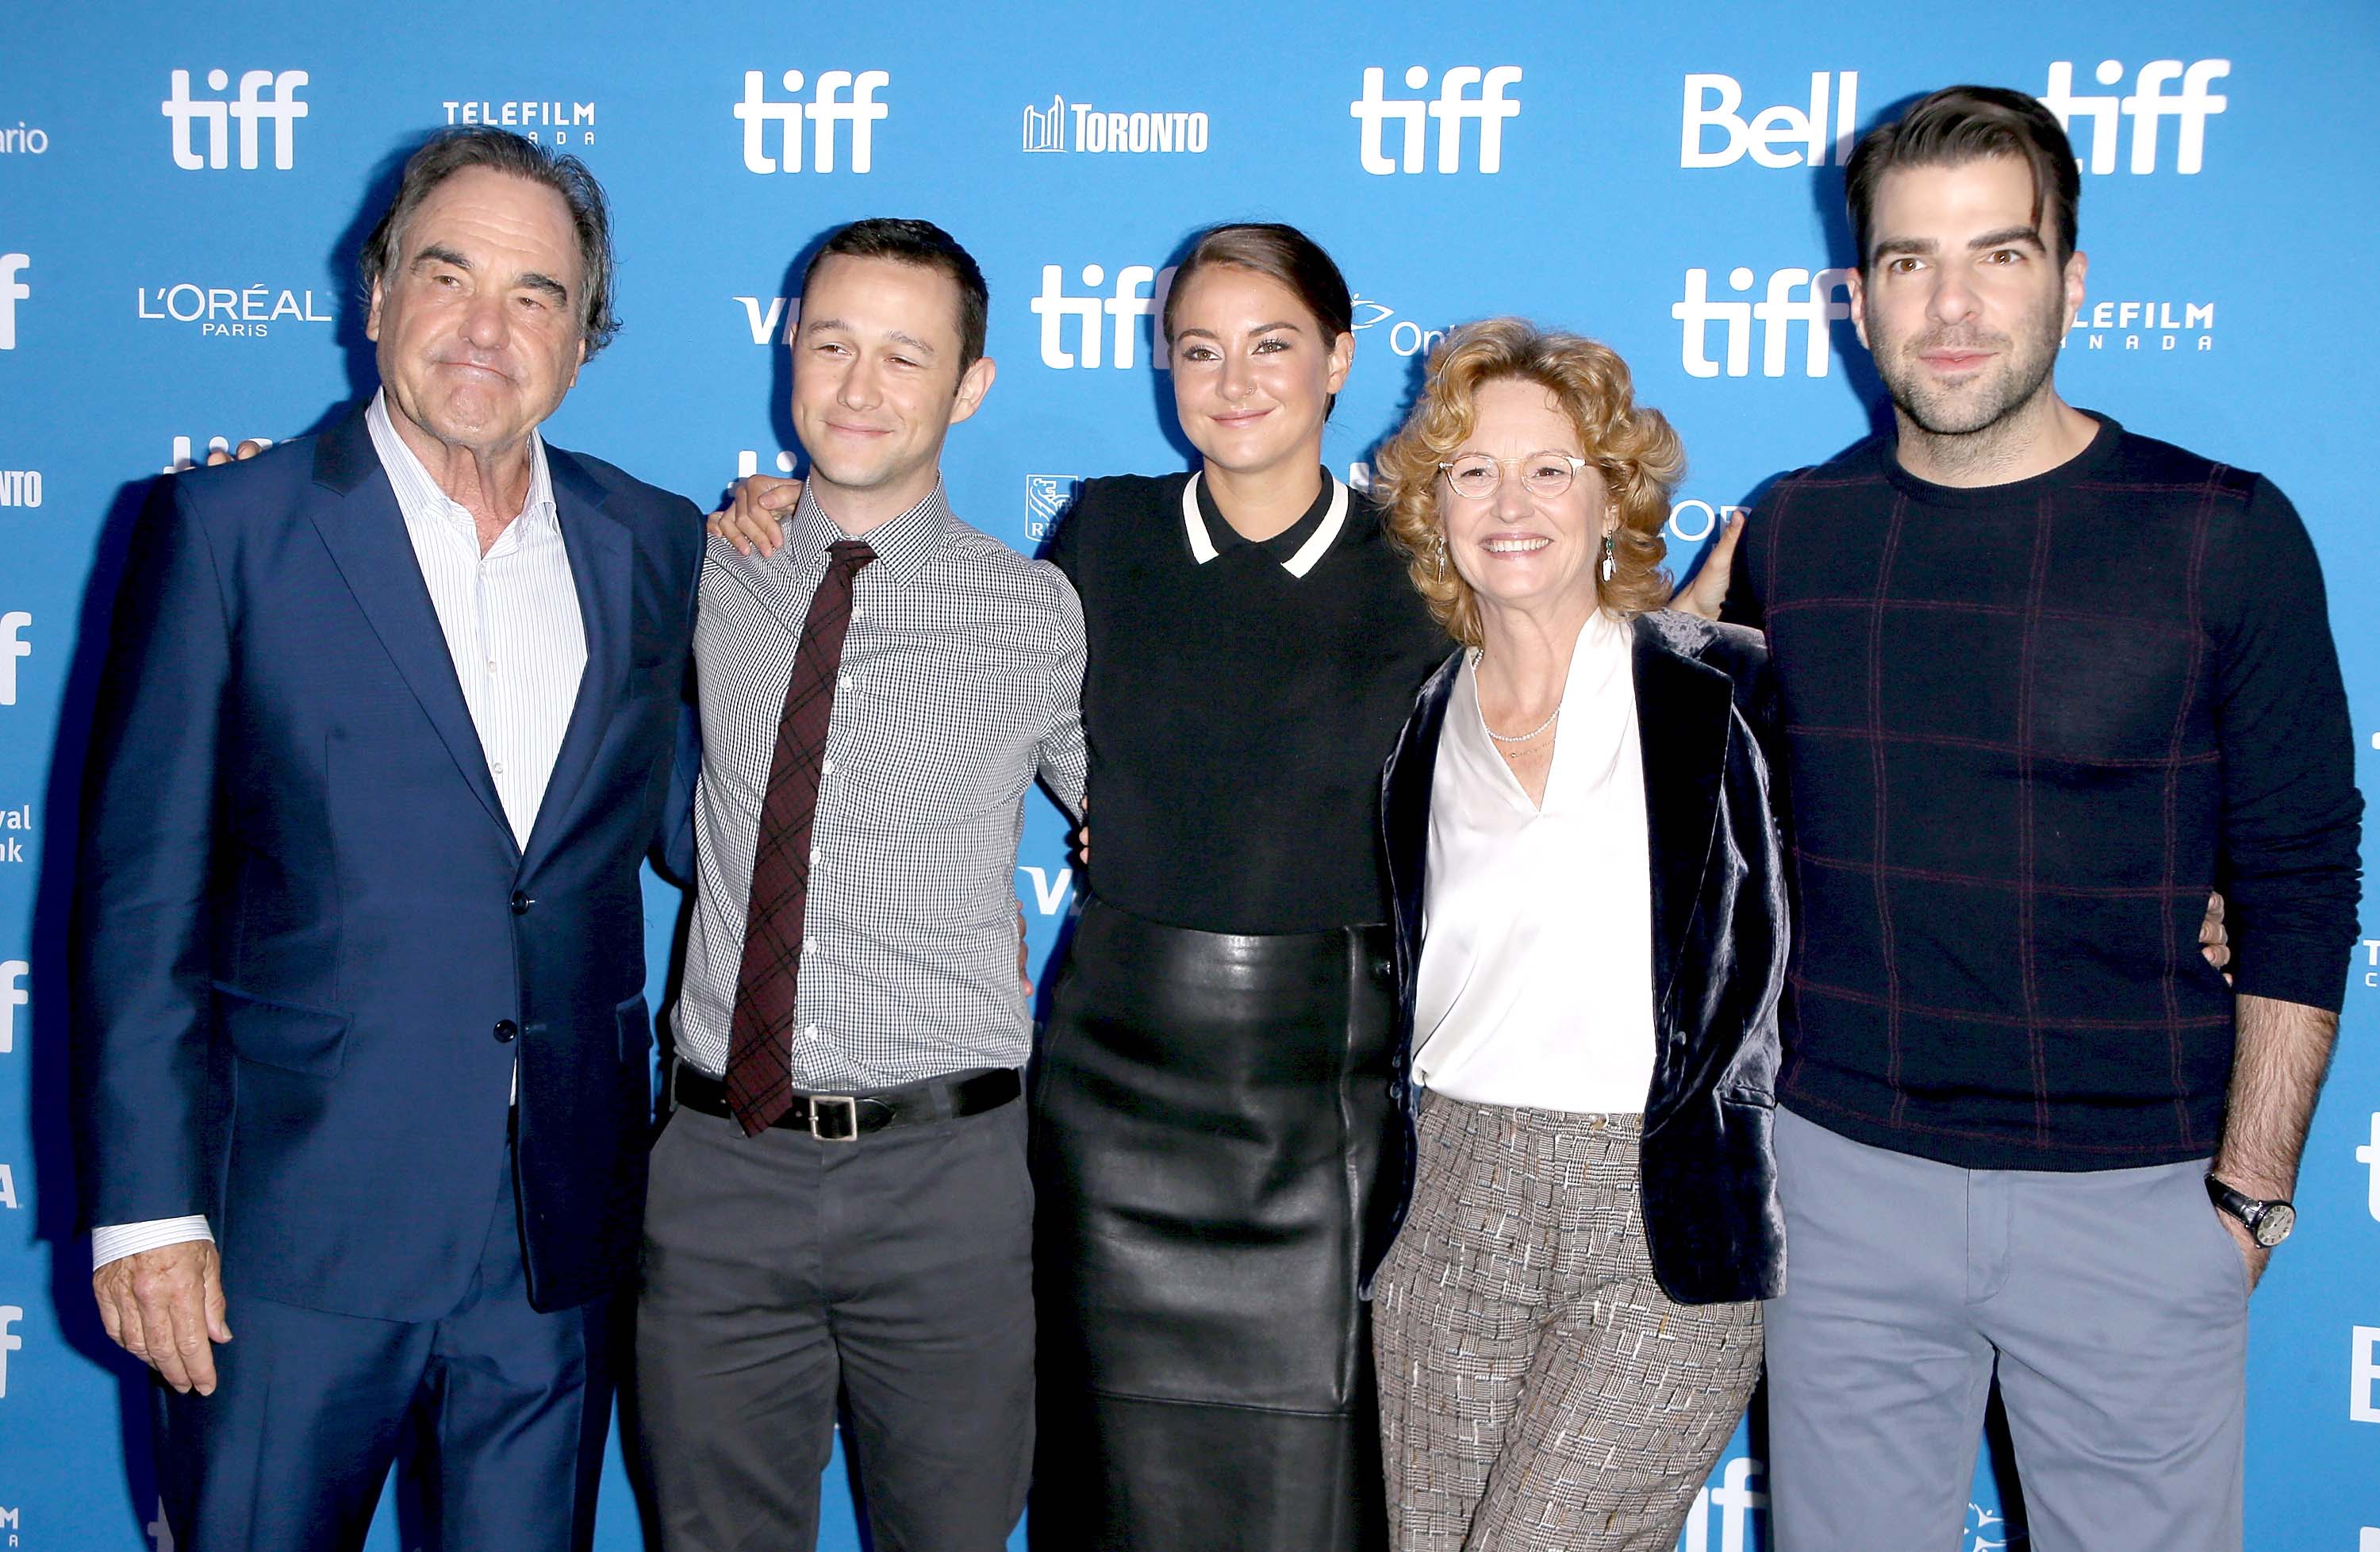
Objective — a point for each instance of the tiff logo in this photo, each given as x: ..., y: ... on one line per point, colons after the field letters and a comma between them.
x: 14, y: 994
x: 1126, y: 305
x: 2363, y: 1376
x: 2148, y: 106
x: 12, y: 291
x: 12, y: 646
x: 825, y: 109
x: 1784, y: 136
x: 1777, y: 312
x: 765, y: 320
x: 2367, y: 1155
x: 1452, y: 106
x: 1734, y: 1501
x: 9, y: 1342
x: 263, y: 95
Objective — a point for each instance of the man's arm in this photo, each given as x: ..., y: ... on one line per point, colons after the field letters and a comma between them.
x: 1064, y: 757
x: 140, y: 959
x: 2291, y: 833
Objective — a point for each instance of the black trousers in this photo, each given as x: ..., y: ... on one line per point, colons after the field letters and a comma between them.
x: 784, y: 1278
x: 1209, y: 1114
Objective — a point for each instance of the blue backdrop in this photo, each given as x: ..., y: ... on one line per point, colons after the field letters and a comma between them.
x: 183, y: 188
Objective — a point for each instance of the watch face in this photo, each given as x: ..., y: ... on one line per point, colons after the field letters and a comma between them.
x: 2272, y: 1225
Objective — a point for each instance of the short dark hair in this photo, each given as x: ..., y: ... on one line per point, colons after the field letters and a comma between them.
x: 1961, y: 124
x: 1280, y: 252
x: 922, y: 242
x: 479, y: 145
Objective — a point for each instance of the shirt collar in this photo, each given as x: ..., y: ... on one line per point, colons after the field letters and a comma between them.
x: 903, y: 546
x: 1326, y: 517
x: 417, y: 493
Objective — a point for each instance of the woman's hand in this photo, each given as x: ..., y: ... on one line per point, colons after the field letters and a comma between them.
x: 749, y: 521
x: 1707, y: 591
x: 2213, y: 941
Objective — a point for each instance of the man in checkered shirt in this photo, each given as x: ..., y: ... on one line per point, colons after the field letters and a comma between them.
x: 840, y: 1210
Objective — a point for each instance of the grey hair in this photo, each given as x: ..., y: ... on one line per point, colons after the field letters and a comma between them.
x: 479, y: 145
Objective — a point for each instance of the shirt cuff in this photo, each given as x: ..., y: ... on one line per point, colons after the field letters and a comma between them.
x: 2310, y: 972
x: 116, y: 1241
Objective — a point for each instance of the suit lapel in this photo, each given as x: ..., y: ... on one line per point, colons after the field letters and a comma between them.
x: 365, y: 534
x: 602, y: 552
x: 1683, y: 716
x: 1406, y: 785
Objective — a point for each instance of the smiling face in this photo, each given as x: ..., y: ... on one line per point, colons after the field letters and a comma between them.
x: 1252, y: 373
x: 477, y: 318
x: 1515, y: 549
x: 1963, y: 301
x: 877, y: 384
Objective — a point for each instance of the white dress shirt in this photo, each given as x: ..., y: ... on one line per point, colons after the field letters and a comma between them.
x: 1535, y: 984
x: 511, y: 621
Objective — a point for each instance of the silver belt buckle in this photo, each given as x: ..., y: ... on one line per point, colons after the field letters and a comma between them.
x: 822, y: 1105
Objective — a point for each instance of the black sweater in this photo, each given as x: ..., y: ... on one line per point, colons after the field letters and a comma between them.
x: 2029, y: 727
x: 1237, y: 714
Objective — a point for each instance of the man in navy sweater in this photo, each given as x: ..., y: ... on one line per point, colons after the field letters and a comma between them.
x: 2045, y: 684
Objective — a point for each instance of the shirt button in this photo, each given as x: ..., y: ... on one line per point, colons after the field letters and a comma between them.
x: 506, y: 1032
x: 844, y: 683
x: 809, y: 945
x: 810, y: 1033
x: 815, y: 855
x: 498, y: 768
x: 492, y: 665
x: 826, y: 768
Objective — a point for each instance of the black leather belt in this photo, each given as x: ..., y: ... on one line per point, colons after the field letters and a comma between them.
x: 842, y: 1118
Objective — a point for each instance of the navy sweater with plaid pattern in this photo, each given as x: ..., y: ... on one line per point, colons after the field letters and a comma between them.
x: 2030, y: 726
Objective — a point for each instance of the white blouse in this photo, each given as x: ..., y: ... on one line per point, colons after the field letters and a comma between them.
x: 1535, y: 985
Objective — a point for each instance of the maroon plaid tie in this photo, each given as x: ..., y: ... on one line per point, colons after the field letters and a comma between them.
x: 760, y: 1056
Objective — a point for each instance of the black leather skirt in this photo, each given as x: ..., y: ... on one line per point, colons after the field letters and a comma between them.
x: 1209, y: 1114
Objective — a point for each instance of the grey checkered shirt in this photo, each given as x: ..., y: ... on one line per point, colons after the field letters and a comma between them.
x: 962, y: 679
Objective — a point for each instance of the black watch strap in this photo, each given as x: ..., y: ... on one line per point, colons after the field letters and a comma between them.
x: 2261, y: 1217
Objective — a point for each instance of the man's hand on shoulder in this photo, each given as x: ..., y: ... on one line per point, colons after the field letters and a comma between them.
x: 165, y: 1307
x: 1707, y: 591
x: 749, y: 521
x: 246, y: 450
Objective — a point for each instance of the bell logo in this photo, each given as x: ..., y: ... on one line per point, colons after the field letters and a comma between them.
x: 1814, y: 309
x: 1126, y: 305
x: 12, y: 646
x: 2363, y: 1383
x: 2148, y: 106
x: 1785, y: 136
x: 825, y: 109
x: 2367, y: 1155
x: 1453, y: 105
x: 12, y: 291
x: 264, y: 96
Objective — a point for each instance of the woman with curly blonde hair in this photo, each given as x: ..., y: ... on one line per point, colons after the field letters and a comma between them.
x: 1590, y: 934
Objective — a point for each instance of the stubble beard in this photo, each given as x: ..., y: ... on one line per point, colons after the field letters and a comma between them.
x: 1973, y: 423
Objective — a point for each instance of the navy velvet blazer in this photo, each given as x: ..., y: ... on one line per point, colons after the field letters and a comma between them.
x: 307, y: 950
x: 1704, y: 708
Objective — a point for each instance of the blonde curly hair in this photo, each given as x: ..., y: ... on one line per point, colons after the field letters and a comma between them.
x: 1632, y: 446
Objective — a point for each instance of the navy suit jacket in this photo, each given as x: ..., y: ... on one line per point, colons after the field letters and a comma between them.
x: 308, y: 950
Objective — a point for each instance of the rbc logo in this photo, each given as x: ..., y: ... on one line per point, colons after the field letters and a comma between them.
x: 1452, y: 106
x: 1777, y: 312
x: 824, y: 110
x: 277, y: 103
x: 1784, y: 136
x: 1124, y: 304
x: 12, y: 291
x: 1047, y: 496
x: 2147, y: 106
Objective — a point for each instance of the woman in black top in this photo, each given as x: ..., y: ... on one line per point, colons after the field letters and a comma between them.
x: 1212, y: 1101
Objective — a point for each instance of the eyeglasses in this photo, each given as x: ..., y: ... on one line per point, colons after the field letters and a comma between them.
x: 1475, y: 475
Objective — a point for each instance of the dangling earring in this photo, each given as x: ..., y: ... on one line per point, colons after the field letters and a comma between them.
x: 1437, y: 553
x: 1607, y: 555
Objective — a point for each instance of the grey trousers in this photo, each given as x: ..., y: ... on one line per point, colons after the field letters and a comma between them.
x: 1538, y: 1391
x: 783, y: 1275
x: 2113, y: 1303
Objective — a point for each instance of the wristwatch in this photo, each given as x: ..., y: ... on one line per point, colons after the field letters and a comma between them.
x: 2268, y: 1223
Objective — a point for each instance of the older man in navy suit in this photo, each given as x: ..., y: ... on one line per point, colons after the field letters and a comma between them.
x: 361, y: 1046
